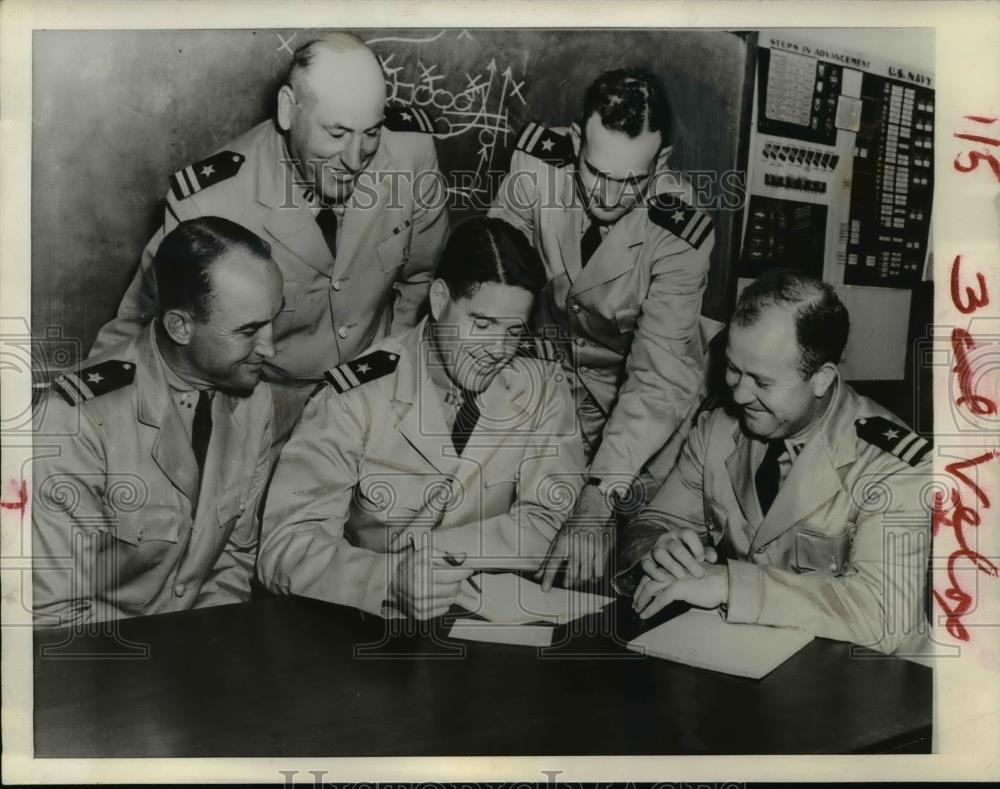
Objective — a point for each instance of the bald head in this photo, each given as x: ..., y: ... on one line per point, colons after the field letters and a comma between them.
x: 330, y: 110
x: 338, y: 60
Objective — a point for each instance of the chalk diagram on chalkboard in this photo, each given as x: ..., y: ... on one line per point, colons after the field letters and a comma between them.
x: 479, y: 104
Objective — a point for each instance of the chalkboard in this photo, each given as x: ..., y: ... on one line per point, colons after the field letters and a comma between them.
x: 116, y: 112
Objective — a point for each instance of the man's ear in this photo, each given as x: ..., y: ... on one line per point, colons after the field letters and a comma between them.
x: 577, y: 138
x: 440, y: 295
x: 178, y: 325
x: 663, y: 157
x: 286, y: 107
x: 823, y: 379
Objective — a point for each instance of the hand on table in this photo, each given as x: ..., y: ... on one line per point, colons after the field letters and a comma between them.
x: 583, y: 543
x: 679, y: 567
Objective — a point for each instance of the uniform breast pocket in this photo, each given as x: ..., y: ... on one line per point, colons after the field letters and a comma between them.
x: 822, y: 552
x: 144, y: 539
x: 236, y: 521
x: 394, y: 250
x: 627, y: 318
x: 499, y: 494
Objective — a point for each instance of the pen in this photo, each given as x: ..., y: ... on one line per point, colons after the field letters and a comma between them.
x: 456, y: 563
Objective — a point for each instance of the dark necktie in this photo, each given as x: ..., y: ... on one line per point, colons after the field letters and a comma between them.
x: 201, y: 432
x: 589, y: 243
x: 768, y: 476
x: 465, y: 421
x: 327, y: 221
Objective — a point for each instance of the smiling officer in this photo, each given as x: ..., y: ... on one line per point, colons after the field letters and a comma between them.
x: 454, y: 438
x: 802, y: 504
x: 349, y: 195
x: 627, y: 254
x: 148, y: 504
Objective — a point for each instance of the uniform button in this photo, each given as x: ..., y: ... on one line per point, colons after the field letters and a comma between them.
x: 580, y: 341
x: 342, y: 332
x: 833, y: 567
x: 335, y: 284
x: 759, y: 551
x: 584, y: 369
x: 574, y: 308
x: 179, y: 590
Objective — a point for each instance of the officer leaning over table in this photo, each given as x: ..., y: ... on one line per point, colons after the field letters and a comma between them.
x: 626, y: 253
x: 348, y: 193
x: 152, y: 459
x: 451, y: 442
x: 800, y: 503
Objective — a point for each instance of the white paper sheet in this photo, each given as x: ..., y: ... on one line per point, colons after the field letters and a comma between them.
x: 705, y: 640
x: 510, y: 599
x: 527, y: 635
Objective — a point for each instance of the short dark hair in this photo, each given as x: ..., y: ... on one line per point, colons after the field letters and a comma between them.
x: 821, y: 320
x: 482, y: 250
x: 629, y: 100
x: 184, y: 259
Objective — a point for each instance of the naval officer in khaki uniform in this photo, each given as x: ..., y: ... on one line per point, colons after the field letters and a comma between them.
x: 152, y: 460
x: 443, y: 443
x: 803, y: 504
x: 627, y: 256
x: 349, y: 195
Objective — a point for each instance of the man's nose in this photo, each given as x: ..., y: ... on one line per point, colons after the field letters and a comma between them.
x: 353, y: 156
x: 742, y: 392
x: 265, y: 342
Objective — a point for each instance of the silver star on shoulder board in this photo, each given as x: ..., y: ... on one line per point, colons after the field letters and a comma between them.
x: 891, y: 434
x: 207, y: 170
x: 547, y: 145
x: 363, y: 368
x: 95, y: 378
x: 406, y: 116
x: 678, y: 215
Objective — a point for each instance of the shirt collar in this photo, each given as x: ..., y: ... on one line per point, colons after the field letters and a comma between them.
x: 796, y: 446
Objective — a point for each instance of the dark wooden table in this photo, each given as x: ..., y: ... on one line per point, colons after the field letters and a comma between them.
x: 292, y: 677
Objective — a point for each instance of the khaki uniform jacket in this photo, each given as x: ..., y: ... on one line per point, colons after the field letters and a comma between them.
x: 365, y: 467
x: 387, y: 247
x: 120, y: 527
x: 842, y: 552
x: 632, y: 314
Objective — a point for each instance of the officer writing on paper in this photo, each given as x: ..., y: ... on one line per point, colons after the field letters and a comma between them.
x: 454, y: 440
x: 626, y: 255
x: 800, y: 504
x: 348, y: 193
x: 148, y: 502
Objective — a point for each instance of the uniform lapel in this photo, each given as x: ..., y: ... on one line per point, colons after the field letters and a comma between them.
x: 418, y: 407
x: 501, y: 406
x: 615, y: 256
x: 813, y: 479
x: 570, y: 230
x: 362, y: 213
x: 741, y: 468
x: 225, y: 424
x: 290, y: 221
x: 171, y: 450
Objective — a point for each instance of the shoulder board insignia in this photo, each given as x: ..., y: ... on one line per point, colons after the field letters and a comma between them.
x: 675, y: 216
x: 200, y: 175
x: 547, y: 145
x: 408, y: 119
x: 91, y: 382
x: 537, y: 348
x: 350, y: 375
x: 900, y: 441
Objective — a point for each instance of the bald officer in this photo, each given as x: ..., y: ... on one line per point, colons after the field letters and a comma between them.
x: 441, y: 444
x: 803, y: 504
x: 156, y: 453
x: 349, y: 195
x: 627, y: 255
